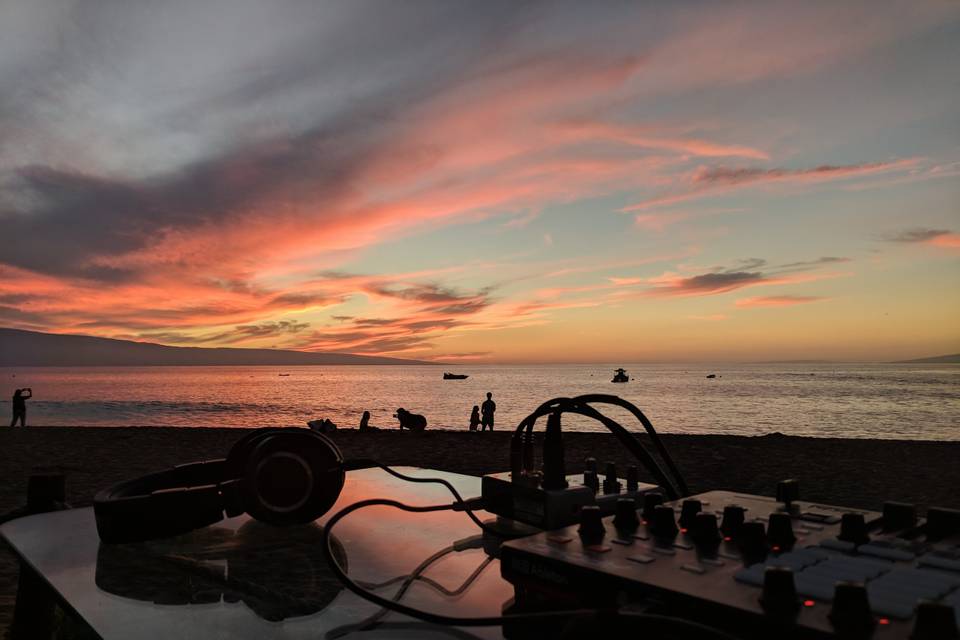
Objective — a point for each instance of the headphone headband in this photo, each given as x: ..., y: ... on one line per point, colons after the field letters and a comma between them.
x: 168, y: 503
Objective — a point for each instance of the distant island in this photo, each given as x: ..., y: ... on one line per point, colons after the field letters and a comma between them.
x: 953, y: 358
x: 20, y: 348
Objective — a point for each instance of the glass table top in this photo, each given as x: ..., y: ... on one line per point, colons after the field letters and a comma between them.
x: 243, y: 579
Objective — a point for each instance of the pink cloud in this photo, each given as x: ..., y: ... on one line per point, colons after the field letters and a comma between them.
x: 776, y: 301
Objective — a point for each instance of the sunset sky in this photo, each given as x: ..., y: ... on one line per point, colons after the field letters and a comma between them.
x: 488, y: 182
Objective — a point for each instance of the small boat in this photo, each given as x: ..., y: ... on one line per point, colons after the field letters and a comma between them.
x: 455, y: 376
x: 620, y: 376
x: 712, y: 375
x: 283, y: 375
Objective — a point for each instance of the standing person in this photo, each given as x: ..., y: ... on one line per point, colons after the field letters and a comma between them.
x: 475, y: 418
x: 20, y: 406
x: 488, y: 408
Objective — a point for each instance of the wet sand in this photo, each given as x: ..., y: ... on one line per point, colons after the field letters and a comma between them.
x: 856, y: 473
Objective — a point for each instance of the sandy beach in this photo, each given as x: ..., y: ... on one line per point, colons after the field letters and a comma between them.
x: 858, y: 473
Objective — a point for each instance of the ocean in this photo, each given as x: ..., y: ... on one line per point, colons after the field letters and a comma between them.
x: 916, y: 402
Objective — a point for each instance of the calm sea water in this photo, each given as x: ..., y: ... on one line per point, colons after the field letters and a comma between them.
x: 856, y: 400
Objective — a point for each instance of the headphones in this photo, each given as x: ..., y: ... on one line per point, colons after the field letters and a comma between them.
x: 279, y: 476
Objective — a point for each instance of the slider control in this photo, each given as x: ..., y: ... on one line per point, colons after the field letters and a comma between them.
x: 779, y: 597
x: 935, y: 621
x: 898, y: 515
x: 610, y: 482
x: 780, y: 531
x: 663, y: 524
x: 591, y: 529
x: 650, y: 502
x: 688, y: 511
x: 851, y: 614
x: 787, y: 492
x: 732, y: 520
x: 626, y: 515
x: 853, y: 528
x: 591, y: 480
x: 753, y: 542
x: 705, y: 532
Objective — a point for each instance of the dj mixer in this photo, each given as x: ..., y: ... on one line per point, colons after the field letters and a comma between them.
x: 754, y: 566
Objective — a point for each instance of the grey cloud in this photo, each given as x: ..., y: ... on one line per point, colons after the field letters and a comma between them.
x: 814, y: 263
x: 915, y: 235
x: 718, y: 282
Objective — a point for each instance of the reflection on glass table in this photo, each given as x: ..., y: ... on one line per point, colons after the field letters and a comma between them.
x: 244, y: 579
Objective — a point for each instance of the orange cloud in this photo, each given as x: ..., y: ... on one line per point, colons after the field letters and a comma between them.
x: 946, y: 241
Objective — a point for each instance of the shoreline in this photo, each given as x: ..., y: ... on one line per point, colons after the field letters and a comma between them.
x: 392, y: 428
x: 860, y: 473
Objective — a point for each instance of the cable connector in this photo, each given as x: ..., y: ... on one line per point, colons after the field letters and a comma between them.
x: 470, y: 504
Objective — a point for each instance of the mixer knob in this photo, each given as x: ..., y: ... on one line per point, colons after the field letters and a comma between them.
x: 779, y: 595
x: 853, y: 528
x: 688, y: 511
x: 610, y: 483
x: 732, y: 520
x: 663, y: 524
x: 898, y: 515
x: 753, y: 542
x: 590, y: 464
x: 780, y: 531
x: 591, y: 480
x: 650, y: 502
x: 626, y: 515
x: 633, y: 478
x: 935, y: 621
x: 851, y: 614
x: 705, y: 532
x: 787, y: 492
x: 942, y: 522
x: 591, y: 525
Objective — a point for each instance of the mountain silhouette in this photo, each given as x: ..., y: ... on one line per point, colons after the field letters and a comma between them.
x: 20, y: 348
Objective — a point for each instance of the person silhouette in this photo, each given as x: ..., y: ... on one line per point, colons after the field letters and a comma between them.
x: 365, y: 423
x: 20, y: 397
x: 475, y: 418
x: 488, y: 408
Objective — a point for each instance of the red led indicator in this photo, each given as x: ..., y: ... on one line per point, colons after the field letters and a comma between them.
x: 775, y: 548
x: 683, y: 530
x: 727, y: 538
x: 884, y: 620
x: 643, y: 521
x: 808, y: 603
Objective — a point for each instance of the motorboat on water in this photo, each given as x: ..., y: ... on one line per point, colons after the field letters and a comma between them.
x: 620, y: 376
x: 455, y: 376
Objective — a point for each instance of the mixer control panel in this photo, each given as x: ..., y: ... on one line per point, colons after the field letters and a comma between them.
x: 742, y: 561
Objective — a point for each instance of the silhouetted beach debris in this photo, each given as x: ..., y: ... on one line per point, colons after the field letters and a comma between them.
x: 411, y: 421
x: 324, y: 425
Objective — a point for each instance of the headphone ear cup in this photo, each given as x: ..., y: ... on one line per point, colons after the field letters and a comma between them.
x: 240, y: 451
x: 291, y: 476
